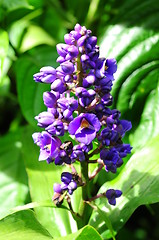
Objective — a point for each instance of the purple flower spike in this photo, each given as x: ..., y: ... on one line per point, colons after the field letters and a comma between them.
x: 84, y: 127
x: 112, y: 194
x: 46, y: 75
x: 78, y: 105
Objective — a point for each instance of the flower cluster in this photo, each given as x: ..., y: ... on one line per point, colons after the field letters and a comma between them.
x: 78, y: 103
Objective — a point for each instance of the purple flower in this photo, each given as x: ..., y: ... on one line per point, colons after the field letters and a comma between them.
x: 58, y: 86
x: 106, y: 68
x: 111, y: 159
x: 123, y: 150
x: 45, y: 119
x: 56, y: 128
x: 62, y: 157
x: 84, y: 127
x: 49, y: 146
x: 110, y: 66
x: 50, y: 98
x: 46, y: 75
x: 85, y: 96
x: 67, y: 67
x: 57, y: 188
x: 89, y: 80
x: 78, y: 153
x: 108, y: 135
x: 67, y: 103
x: 67, y: 182
x: 112, y: 194
x: 107, y: 99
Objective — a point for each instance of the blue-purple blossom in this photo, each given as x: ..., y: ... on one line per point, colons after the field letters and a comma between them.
x: 57, y: 188
x: 62, y: 158
x: 111, y: 159
x: 45, y: 119
x: 49, y: 146
x: 112, y: 194
x: 56, y: 128
x: 68, y: 182
x: 84, y: 127
x: 46, y: 75
x: 50, y: 98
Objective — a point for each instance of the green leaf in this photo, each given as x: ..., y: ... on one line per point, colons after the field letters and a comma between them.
x: 132, y: 37
x: 22, y: 225
x: 105, y: 219
x: 42, y: 176
x: 46, y: 203
x: 11, y: 5
x: 30, y: 93
x: 149, y: 121
x: 13, y: 178
x: 31, y: 38
x: 85, y: 233
x: 4, y: 43
x: 139, y: 184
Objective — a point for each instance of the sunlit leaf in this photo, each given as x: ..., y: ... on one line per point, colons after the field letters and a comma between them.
x: 149, y: 121
x: 30, y: 94
x: 139, y: 183
x: 85, y: 233
x: 13, y: 178
x: 11, y: 5
x: 59, y: 222
x: 4, y: 43
x: 22, y: 225
x: 31, y: 38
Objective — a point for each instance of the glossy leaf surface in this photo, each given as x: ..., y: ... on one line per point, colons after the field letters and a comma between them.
x: 22, y: 225
x: 139, y: 183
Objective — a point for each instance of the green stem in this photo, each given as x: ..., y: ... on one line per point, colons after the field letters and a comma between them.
x: 84, y: 209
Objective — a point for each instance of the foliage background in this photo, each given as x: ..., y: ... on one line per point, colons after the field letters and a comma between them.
x: 29, y: 32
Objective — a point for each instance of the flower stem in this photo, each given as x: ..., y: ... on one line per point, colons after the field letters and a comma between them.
x: 84, y: 209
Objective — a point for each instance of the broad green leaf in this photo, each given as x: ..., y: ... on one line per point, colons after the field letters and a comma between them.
x: 13, y: 178
x: 12, y: 5
x: 149, y: 121
x: 22, y: 225
x: 135, y: 83
x: 31, y: 38
x: 42, y: 176
x: 4, y: 43
x: 46, y: 203
x: 85, y: 233
x: 30, y: 94
x: 58, y: 24
x: 139, y: 183
x: 17, y: 31
x: 78, y: 13
x: 132, y: 37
